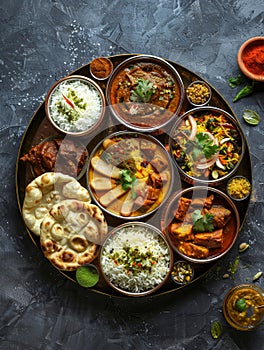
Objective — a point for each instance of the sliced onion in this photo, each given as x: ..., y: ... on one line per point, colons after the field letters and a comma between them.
x: 193, y: 127
x: 224, y: 140
x: 205, y: 163
x: 219, y: 164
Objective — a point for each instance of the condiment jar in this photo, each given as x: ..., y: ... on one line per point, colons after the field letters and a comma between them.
x: 249, y: 317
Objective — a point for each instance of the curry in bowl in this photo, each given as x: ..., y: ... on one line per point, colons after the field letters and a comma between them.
x: 201, y: 223
x: 207, y: 145
x: 145, y: 92
x: 129, y: 174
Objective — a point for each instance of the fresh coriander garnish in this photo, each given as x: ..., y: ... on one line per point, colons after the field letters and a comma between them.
x: 251, y: 117
x: 233, y: 82
x: 241, y: 305
x: 143, y: 92
x: 202, y: 223
x: 127, y: 181
x: 205, y: 145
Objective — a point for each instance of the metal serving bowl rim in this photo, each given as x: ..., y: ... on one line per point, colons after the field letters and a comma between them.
x: 192, y: 179
x: 138, y: 58
x: 156, y: 231
x: 87, y: 81
x: 127, y: 133
x: 176, y: 196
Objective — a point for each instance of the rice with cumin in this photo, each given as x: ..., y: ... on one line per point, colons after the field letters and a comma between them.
x: 136, y: 259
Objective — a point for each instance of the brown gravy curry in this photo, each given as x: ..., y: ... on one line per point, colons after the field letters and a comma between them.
x: 145, y: 94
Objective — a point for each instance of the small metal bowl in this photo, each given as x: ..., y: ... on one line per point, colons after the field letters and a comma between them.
x: 198, y: 93
x: 128, y: 278
x: 101, y: 68
x: 82, y: 278
x: 199, y: 193
x: 116, y: 150
x: 137, y: 112
x: 182, y: 272
x: 242, y: 188
x: 182, y: 146
x: 246, y: 47
x: 65, y: 122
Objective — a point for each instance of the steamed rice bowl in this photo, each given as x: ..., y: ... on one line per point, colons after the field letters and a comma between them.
x: 135, y: 258
x: 75, y: 104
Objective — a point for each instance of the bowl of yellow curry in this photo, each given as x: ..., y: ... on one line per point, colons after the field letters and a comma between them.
x: 242, y: 306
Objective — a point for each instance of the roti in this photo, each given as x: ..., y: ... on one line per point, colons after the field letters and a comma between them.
x: 45, y: 191
x: 71, y: 233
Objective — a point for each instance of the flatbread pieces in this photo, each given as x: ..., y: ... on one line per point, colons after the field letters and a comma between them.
x: 70, y: 234
x: 45, y: 191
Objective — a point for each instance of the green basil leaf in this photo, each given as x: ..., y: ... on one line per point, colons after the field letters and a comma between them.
x: 251, y: 117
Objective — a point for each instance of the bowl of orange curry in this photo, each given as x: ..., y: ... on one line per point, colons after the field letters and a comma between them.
x: 201, y: 223
x: 145, y: 93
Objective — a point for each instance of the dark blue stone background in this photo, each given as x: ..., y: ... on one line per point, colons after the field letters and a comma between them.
x: 44, y: 40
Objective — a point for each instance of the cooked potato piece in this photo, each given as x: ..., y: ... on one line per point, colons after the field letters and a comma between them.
x: 101, y: 183
x: 103, y: 168
x: 112, y: 195
x: 127, y: 206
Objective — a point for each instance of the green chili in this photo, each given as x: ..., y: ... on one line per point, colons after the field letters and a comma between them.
x: 246, y: 91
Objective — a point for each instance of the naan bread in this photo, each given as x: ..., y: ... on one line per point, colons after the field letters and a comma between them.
x: 71, y: 232
x: 45, y: 191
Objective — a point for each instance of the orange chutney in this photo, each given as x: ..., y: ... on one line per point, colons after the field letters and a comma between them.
x: 249, y: 318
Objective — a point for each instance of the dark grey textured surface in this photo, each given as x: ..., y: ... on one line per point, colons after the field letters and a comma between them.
x: 44, y: 40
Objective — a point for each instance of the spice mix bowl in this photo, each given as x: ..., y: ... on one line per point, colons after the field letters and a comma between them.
x: 75, y: 105
x: 207, y: 145
x: 250, y: 58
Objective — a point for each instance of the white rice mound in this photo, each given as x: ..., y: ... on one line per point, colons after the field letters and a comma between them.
x: 145, y: 239
x: 88, y: 117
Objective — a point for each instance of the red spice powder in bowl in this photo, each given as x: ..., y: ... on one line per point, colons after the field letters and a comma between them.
x: 251, y: 58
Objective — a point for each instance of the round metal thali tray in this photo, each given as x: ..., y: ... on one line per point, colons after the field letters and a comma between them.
x: 40, y: 128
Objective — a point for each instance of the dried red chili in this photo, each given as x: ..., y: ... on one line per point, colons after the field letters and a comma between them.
x: 253, y: 58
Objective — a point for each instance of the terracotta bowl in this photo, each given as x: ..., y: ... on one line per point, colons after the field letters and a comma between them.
x: 246, y: 47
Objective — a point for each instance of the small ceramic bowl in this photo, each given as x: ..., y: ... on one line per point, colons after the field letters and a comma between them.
x: 249, y: 67
x: 238, y: 188
x: 87, y: 275
x: 198, y: 93
x: 101, y: 68
x: 75, y: 105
